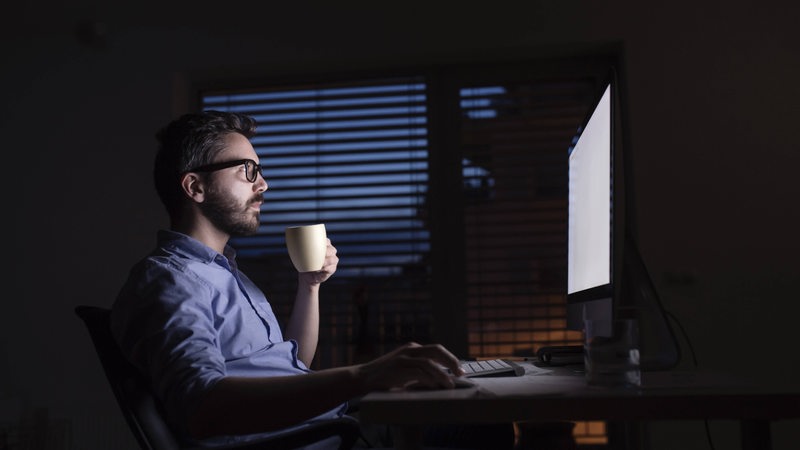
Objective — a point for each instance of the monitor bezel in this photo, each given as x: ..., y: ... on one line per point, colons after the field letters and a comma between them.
x: 631, y: 292
x: 601, y: 301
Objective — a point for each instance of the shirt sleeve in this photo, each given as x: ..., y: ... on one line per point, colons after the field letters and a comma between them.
x: 164, y: 324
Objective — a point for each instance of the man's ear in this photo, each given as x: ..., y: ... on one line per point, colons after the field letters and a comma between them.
x: 193, y: 187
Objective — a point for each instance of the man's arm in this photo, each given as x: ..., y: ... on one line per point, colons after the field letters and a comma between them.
x: 303, y: 324
x: 237, y: 405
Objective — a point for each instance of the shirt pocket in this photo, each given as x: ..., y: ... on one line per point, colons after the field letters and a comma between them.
x: 242, y: 332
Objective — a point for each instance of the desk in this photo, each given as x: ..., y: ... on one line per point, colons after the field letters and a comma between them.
x: 561, y: 394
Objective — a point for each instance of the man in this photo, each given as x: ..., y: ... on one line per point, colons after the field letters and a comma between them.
x: 205, y: 335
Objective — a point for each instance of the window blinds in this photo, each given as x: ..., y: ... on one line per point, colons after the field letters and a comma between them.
x: 358, y: 156
x: 514, y: 138
x: 355, y: 157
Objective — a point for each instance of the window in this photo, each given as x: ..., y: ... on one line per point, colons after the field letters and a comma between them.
x: 444, y: 193
x: 355, y: 157
x: 513, y: 142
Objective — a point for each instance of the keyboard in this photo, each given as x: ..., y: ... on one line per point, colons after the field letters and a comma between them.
x: 492, y: 368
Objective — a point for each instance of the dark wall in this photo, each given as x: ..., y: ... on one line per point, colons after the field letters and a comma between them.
x: 713, y: 102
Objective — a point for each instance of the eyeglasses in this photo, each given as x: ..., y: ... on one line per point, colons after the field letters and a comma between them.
x: 251, y: 168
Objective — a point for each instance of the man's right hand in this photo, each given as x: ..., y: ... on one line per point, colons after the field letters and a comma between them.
x: 410, y: 364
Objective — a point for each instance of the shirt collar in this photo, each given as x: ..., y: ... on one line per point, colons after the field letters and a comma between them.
x: 192, y: 248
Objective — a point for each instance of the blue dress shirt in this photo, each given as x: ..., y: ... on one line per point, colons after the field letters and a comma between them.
x: 187, y: 317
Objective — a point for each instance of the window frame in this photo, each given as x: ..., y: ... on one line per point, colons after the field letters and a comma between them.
x: 445, y: 189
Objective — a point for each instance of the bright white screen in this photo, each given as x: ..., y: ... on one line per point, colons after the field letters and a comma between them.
x: 589, y: 226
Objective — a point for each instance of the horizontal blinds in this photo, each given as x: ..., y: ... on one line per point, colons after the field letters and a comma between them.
x: 355, y: 157
x: 514, y: 139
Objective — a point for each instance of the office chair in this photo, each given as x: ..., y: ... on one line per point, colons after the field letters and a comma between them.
x: 143, y: 413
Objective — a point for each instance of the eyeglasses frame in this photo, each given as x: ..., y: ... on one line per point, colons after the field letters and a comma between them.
x: 226, y: 164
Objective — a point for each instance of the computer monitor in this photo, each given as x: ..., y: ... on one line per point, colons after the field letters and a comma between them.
x: 606, y: 276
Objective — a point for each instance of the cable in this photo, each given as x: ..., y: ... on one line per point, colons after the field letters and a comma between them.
x: 685, y: 336
x: 694, y: 362
x: 708, y: 435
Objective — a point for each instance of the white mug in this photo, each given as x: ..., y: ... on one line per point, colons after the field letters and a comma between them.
x: 307, y: 245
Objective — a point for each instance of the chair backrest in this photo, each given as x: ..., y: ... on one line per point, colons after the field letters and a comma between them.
x: 135, y: 399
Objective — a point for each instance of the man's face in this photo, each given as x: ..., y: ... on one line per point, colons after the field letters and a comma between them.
x: 232, y: 203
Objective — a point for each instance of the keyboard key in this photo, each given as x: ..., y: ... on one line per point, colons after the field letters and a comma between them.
x: 491, y: 367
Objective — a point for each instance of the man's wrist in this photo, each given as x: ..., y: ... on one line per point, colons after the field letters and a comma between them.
x: 358, y: 379
x: 307, y: 284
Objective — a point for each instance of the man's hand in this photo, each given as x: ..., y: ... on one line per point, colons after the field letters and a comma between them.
x: 409, y: 364
x: 328, y: 268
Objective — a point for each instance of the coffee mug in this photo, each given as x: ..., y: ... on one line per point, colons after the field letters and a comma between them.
x: 307, y: 245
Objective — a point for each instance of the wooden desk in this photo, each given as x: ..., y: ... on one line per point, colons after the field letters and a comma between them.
x: 544, y: 395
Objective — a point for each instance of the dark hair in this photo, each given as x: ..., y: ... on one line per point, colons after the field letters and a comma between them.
x: 191, y: 141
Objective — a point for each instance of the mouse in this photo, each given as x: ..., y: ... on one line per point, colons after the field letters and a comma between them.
x: 460, y: 383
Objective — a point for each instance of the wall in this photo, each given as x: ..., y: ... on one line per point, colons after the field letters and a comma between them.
x: 713, y: 100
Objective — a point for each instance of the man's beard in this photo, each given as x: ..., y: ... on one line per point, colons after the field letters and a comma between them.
x: 230, y: 216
